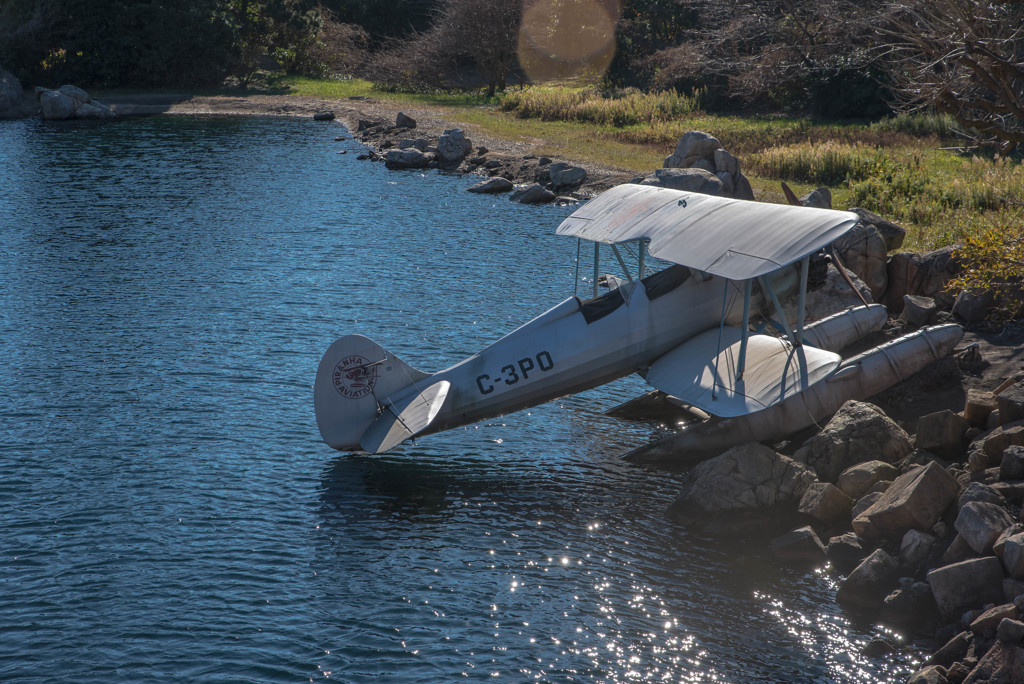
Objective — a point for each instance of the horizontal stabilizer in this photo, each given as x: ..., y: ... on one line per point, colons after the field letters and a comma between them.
x: 406, y: 417
x: 707, y: 376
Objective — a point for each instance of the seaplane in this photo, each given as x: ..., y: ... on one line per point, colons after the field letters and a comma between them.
x: 709, y: 330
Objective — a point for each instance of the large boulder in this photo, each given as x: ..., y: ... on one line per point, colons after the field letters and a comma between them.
x: 870, y: 582
x: 967, y: 584
x: 55, y: 105
x: 12, y: 96
x: 691, y: 148
x: 858, y: 432
x: 564, y: 176
x: 493, y: 185
x: 914, y: 501
x: 856, y: 480
x: 532, y: 194
x: 1003, y: 664
x: 1013, y: 555
x: 825, y: 502
x: 923, y: 274
x: 987, y: 449
x: 409, y: 158
x: 863, y: 251
x: 942, y: 433
x: 453, y: 146
x: 980, y: 524
x: 748, y: 484
x: 70, y: 102
x: 891, y: 233
x: 690, y: 180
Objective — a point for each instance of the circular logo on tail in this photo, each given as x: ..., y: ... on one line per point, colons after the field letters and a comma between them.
x: 354, y: 377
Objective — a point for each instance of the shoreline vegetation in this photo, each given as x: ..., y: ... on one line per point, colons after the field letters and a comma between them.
x: 906, y: 168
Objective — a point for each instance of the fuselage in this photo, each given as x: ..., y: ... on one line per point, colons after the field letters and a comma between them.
x: 579, y: 345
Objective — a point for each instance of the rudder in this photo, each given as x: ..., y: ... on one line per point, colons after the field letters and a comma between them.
x: 354, y: 374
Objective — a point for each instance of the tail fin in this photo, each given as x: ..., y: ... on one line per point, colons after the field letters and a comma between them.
x: 354, y: 376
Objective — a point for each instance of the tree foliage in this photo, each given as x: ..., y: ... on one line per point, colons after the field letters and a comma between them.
x: 964, y: 58
x: 152, y: 43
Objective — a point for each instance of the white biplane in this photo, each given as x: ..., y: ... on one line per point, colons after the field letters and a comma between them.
x: 685, y: 329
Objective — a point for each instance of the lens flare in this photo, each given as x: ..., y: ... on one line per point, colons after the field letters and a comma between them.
x: 567, y: 39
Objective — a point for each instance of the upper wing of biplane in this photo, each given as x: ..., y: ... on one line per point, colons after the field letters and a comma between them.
x: 735, y: 239
x: 725, y: 371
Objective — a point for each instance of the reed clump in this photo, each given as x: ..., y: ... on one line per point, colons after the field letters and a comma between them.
x: 618, y: 108
x: 829, y: 163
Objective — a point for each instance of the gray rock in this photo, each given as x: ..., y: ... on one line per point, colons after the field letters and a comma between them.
x: 12, y: 96
x: 1011, y: 467
x: 820, y: 198
x: 981, y: 493
x: 410, y: 158
x: 801, y: 545
x: 980, y: 524
x: 915, y: 500
x: 974, y: 305
x: 869, y: 583
x: 858, y: 432
x: 942, y: 433
x: 1013, y: 555
x: 916, y: 546
x: 405, y: 121
x: 532, y: 194
x: 978, y: 405
x: 953, y: 650
x: 985, y: 624
x: 1013, y: 589
x: 453, y: 146
x: 921, y: 274
x: 743, y: 190
x: 1003, y: 664
x: 1009, y: 630
x: 726, y: 163
x: 825, y: 502
x: 568, y: 177
x: 75, y: 93
x: 93, y: 110
x: 1011, y: 404
x: 493, y: 185
x: 728, y: 184
x: 862, y: 250
x: 911, y: 607
x: 325, y: 115
x: 932, y: 674
x: 856, y: 480
x: 691, y: 147
x: 690, y: 180
x: 846, y: 551
x: 1000, y: 546
x: 704, y: 164
x: 54, y: 105
x: 892, y: 233
x: 966, y: 584
x: 749, y: 481
x: 987, y: 449
x: 918, y: 311
x: 958, y: 550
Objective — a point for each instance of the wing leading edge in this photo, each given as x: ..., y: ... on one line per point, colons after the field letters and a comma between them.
x: 731, y: 238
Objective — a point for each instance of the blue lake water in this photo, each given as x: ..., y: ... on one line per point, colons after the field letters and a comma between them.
x: 168, y: 511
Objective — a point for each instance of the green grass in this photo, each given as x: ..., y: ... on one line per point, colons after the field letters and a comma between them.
x: 895, y: 167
